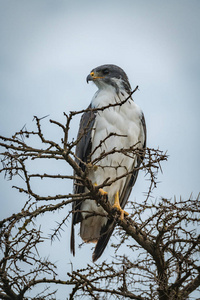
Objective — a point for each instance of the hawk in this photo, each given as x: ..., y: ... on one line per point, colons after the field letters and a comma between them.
x: 109, y: 131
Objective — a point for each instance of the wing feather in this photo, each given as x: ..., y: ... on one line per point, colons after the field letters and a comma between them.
x: 83, y: 149
x: 106, y: 233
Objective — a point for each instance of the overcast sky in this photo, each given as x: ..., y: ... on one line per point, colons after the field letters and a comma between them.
x: 49, y: 47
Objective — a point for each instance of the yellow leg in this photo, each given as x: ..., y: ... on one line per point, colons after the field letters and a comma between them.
x: 103, y: 193
x: 117, y: 205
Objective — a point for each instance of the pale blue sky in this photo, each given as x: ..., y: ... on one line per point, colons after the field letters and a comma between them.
x: 49, y: 47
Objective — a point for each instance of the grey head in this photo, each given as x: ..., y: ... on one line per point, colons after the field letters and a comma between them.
x: 110, y: 75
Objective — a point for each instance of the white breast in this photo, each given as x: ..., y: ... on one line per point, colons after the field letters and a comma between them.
x: 125, y: 121
x: 121, y: 120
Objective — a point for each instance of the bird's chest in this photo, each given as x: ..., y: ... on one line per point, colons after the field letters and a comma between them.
x: 116, y: 130
x: 113, y: 128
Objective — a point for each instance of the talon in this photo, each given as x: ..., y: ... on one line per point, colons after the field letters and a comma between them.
x: 103, y: 193
x: 118, y: 207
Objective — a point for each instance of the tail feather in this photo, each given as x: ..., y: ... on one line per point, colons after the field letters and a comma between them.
x: 106, y: 233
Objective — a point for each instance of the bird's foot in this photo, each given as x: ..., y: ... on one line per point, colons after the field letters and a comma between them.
x: 118, y: 207
x: 103, y: 193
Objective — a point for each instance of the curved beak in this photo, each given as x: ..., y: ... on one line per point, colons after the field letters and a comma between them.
x: 89, y: 78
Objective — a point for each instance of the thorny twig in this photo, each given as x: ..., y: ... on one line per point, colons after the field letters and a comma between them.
x: 162, y: 234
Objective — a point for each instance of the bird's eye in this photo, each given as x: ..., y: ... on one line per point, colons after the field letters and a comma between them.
x: 105, y: 71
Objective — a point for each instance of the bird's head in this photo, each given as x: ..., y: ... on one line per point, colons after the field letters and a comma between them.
x: 110, y: 75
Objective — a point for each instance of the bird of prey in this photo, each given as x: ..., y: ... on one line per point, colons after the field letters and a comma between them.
x: 106, y: 141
